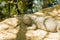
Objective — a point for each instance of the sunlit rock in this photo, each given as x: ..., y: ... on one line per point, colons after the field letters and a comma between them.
x: 58, y: 26
x: 3, y: 26
x: 51, y: 24
x: 11, y: 21
x: 53, y: 13
x: 40, y: 22
x: 53, y: 36
x: 39, y: 14
x: 9, y: 29
x: 7, y: 35
x: 33, y: 17
x: 58, y: 17
x: 31, y: 27
x: 51, y: 39
x: 59, y: 11
x: 36, y: 34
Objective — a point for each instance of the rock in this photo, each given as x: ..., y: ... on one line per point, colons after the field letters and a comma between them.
x: 51, y: 24
x: 36, y: 34
x: 40, y: 22
x: 9, y: 29
x: 58, y: 26
x: 50, y: 13
x: 39, y: 14
x: 11, y: 21
x: 5, y: 36
x: 58, y: 17
x: 59, y: 11
x: 53, y: 36
x: 33, y: 17
x: 50, y: 39
x: 8, y: 23
x: 3, y: 26
x: 53, y: 13
x: 31, y: 27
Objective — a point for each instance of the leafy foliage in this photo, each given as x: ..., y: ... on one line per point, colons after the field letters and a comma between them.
x: 9, y: 8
